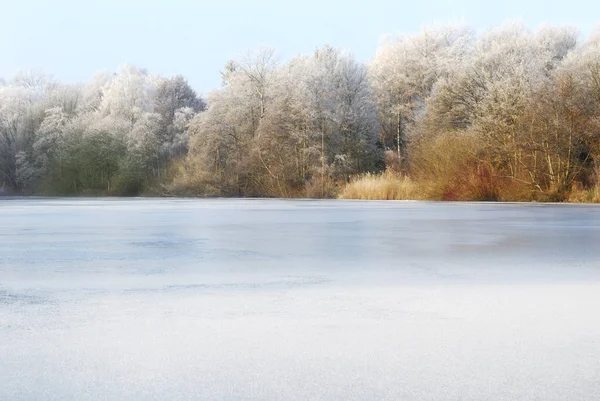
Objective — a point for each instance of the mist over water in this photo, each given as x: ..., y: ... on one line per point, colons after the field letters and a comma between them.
x: 141, y: 299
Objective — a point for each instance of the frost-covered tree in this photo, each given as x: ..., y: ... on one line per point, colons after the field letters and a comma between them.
x: 115, y: 133
x: 487, y: 94
x: 345, y: 111
x: 564, y: 121
x: 21, y: 112
x: 176, y: 104
x: 404, y: 72
x: 129, y: 93
x: 224, y: 135
x: 273, y: 128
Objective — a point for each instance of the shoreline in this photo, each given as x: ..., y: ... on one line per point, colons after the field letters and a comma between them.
x: 237, y: 198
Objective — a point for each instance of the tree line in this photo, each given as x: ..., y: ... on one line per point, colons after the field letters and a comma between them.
x: 507, y: 114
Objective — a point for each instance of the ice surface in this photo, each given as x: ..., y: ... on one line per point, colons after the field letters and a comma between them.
x: 104, y: 299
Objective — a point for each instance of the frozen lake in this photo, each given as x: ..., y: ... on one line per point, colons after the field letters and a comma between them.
x: 298, y: 300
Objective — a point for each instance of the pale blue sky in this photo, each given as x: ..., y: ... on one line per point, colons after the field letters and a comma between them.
x: 73, y: 39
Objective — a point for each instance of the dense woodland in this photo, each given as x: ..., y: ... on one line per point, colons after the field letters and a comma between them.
x: 507, y: 114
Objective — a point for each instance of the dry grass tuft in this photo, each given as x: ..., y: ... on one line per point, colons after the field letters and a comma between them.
x: 385, y: 186
x: 579, y: 195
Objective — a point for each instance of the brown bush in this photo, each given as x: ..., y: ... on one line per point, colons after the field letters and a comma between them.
x: 451, y: 168
x: 189, y: 179
x: 321, y: 188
